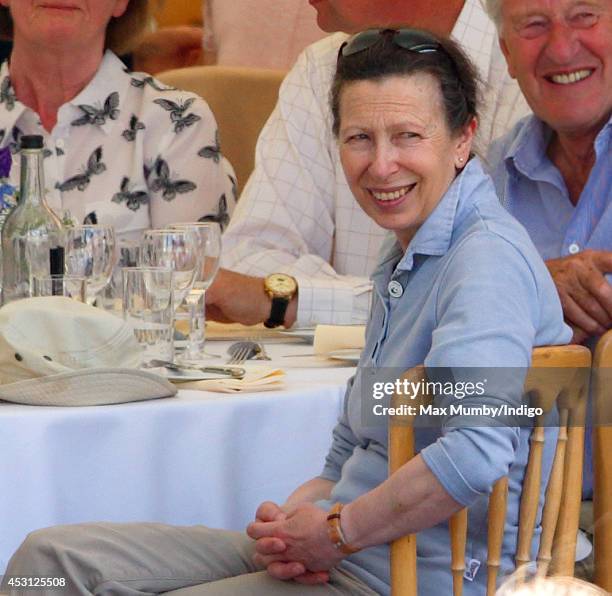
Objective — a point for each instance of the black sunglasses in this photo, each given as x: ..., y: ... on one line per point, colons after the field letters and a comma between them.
x: 408, y: 39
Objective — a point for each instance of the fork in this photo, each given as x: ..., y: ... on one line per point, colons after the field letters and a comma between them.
x: 246, y: 350
x: 240, y: 351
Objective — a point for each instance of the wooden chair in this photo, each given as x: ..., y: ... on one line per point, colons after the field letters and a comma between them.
x: 569, y: 389
x: 241, y: 100
x: 602, y: 455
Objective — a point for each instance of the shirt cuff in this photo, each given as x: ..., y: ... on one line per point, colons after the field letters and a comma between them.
x: 451, y: 459
x: 332, y: 301
x: 448, y: 474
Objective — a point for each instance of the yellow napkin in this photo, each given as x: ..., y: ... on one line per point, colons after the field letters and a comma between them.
x: 235, y: 331
x: 256, y: 379
x: 329, y: 338
x: 230, y: 331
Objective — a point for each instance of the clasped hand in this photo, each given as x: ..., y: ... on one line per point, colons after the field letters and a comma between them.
x: 294, y: 544
x: 586, y: 296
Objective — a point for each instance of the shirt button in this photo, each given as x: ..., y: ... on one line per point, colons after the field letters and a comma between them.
x: 395, y: 289
x: 60, y: 143
x: 573, y: 248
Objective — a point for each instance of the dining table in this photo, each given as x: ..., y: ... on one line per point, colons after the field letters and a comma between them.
x: 200, y: 457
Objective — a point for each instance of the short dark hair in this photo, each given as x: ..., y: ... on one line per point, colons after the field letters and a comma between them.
x: 459, y: 83
x: 122, y: 32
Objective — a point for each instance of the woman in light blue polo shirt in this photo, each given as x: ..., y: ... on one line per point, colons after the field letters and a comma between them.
x: 459, y: 285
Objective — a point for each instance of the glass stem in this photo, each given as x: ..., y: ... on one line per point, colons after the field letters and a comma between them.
x: 203, y: 319
x: 197, y: 320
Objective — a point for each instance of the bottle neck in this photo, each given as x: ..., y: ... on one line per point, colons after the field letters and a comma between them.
x: 32, y: 177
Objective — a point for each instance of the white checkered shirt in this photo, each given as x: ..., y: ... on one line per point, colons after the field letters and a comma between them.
x: 297, y: 214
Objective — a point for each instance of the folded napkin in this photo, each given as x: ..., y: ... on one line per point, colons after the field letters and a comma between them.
x: 256, y: 379
x: 228, y: 331
x: 329, y: 338
x: 235, y: 331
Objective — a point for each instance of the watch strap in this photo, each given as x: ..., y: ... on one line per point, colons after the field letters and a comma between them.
x: 277, y: 312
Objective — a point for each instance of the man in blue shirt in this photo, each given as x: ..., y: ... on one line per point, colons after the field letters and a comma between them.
x: 553, y: 171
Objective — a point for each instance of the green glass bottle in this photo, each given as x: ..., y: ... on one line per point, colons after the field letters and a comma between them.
x: 32, y: 235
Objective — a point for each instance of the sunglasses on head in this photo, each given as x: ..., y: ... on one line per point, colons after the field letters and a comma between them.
x: 407, y: 39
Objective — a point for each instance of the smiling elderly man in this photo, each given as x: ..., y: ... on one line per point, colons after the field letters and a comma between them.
x: 553, y: 171
x: 297, y: 216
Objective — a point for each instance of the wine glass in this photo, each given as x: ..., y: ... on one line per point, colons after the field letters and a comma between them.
x: 90, y: 253
x: 173, y: 249
x: 209, y: 246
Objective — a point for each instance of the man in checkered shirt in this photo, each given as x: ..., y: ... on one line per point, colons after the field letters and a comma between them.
x: 297, y: 214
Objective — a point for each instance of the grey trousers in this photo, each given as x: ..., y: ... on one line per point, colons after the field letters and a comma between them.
x: 141, y: 559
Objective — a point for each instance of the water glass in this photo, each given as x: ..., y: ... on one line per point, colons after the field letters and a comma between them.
x: 90, y: 253
x: 209, y: 246
x: 70, y: 286
x: 128, y: 255
x: 148, y: 308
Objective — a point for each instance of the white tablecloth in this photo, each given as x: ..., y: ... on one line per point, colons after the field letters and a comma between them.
x: 199, y: 458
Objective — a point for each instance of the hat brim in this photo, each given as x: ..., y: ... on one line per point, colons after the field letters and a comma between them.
x: 88, y: 387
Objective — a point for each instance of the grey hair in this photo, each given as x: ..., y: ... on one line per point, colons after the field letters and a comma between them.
x: 494, y: 8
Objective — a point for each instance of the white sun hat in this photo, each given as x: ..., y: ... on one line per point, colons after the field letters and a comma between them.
x: 55, y: 351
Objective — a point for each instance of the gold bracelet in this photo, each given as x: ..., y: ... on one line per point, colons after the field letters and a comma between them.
x: 334, y: 529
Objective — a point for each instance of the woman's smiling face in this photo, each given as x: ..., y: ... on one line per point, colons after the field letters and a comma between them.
x: 397, y: 151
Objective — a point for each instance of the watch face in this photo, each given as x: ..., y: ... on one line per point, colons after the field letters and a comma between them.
x: 281, y: 284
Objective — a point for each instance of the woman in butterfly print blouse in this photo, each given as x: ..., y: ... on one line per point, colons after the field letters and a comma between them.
x: 120, y: 147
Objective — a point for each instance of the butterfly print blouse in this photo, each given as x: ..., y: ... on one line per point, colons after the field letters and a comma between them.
x: 127, y: 151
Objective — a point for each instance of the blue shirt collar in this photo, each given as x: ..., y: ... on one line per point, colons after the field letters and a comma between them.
x: 603, y: 140
x: 527, y: 152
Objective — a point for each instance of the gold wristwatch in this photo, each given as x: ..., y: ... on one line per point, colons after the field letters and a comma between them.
x: 281, y: 288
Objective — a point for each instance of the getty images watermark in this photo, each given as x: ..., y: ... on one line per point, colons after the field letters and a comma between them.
x: 464, y: 396
x: 458, y: 390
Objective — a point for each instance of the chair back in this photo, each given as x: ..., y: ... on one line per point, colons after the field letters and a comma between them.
x: 602, y: 450
x: 173, y: 13
x: 241, y: 100
x: 568, y: 388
